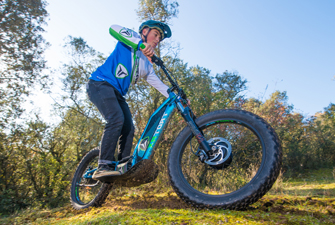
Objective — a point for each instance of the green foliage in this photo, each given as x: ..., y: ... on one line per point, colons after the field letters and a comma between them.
x: 321, y: 139
x: 32, y: 169
x: 21, y: 49
x: 307, y: 143
x: 23, y: 148
x: 161, y: 10
x: 37, y: 161
x: 228, y: 89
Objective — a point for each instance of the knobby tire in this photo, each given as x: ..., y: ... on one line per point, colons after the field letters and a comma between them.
x: 268, y: 167
x: 100, y: 197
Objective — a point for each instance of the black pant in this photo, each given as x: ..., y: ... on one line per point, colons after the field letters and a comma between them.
x: 115, y: 110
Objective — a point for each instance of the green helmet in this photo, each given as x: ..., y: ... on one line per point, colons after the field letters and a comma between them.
x: 163, y: 28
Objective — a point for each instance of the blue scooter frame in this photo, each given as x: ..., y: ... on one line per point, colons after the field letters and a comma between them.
x: 154, y: 130
x: 161, y: 117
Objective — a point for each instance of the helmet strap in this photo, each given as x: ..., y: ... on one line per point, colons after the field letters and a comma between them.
x: 145, y: 36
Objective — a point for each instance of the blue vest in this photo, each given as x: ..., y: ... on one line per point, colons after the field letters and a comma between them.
x: 117, y: 70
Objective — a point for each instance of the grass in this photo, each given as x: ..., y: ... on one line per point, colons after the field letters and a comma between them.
x: 319, y: 183
x: 307, y: 199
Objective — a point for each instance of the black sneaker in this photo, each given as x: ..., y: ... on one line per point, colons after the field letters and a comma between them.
x: 105, y: 171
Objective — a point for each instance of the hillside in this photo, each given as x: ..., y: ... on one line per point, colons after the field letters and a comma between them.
x: 308, y: 199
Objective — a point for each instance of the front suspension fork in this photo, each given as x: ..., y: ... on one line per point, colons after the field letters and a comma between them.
x: 186, y: 114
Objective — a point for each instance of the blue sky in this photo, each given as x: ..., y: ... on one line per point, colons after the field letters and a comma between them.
x: 285, y: 45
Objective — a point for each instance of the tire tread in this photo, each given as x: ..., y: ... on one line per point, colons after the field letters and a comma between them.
x: 103, y: 192
x: 264, y: 187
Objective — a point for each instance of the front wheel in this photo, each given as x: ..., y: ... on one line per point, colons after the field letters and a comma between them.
x: 250, y: 161
x: 86, y: 192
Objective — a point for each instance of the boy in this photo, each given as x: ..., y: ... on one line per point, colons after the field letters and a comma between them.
x: 110, y: 82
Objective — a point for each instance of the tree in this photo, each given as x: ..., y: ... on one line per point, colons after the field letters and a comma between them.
x: 21, y: 63
x: 80, y: 118
x: 38, y: 160
x: 307, y: 143
x: 228, y: 88
x: 21, y: 52
x: 161, y: 10
x: 321, y: 133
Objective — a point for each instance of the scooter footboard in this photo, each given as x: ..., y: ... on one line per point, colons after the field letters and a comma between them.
x: 142, y: 172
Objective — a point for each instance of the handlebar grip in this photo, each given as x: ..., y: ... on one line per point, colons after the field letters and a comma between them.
x: 154, y: 58
x: 142, y: 46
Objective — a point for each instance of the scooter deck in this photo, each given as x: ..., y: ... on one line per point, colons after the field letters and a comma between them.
x: 142, y: 172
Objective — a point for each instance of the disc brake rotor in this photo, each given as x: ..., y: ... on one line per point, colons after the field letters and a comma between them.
x: 221, y: 151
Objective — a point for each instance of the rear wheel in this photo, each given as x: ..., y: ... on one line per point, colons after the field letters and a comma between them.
x: 243, y: 165
x: 86, y: 192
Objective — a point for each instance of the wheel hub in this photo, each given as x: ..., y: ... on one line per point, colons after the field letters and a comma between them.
x: 221, y: 154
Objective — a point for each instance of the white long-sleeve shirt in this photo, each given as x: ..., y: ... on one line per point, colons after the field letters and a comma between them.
x: 127, y: 63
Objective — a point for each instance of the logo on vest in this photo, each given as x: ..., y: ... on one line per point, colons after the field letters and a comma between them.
x: 125, y: 32
x: 121, y: 71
